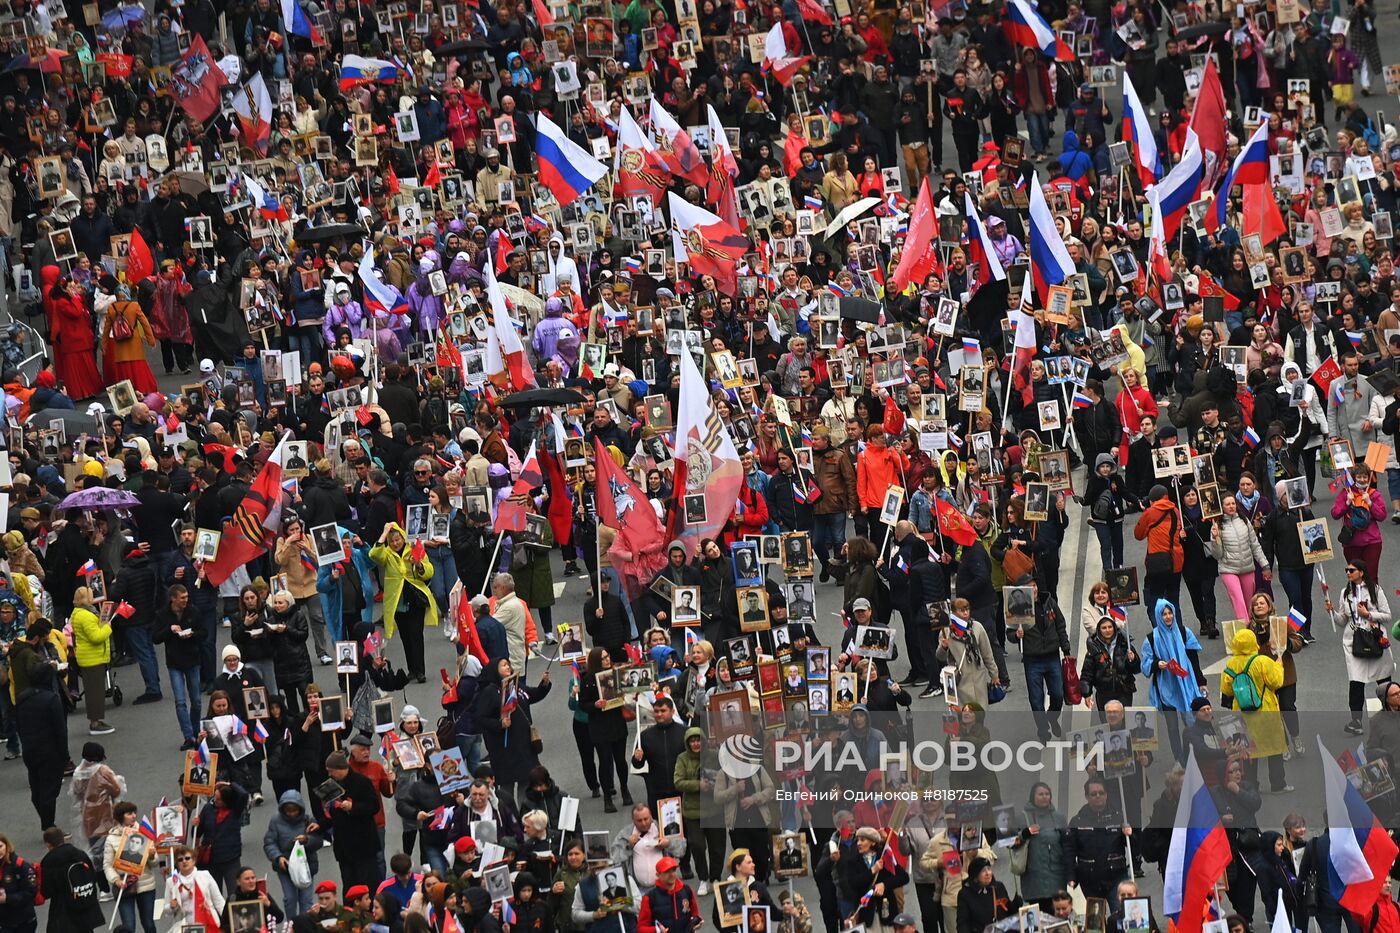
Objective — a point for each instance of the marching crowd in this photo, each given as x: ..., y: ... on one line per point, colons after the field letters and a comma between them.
x: 695, y: 296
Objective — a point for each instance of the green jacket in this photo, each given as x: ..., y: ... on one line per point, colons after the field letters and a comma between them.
x: 687, y: 774
x: 561, y: 905
x: 534, y: 580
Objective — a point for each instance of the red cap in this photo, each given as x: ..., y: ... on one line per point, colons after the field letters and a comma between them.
x: 667, y: 864
x: 326, y: 887
x: 357, y: 891
x: 464, y: 845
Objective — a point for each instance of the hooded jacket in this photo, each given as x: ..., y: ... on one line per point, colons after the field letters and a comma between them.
x: 400, y: 571
x: 284, y: 828
x: 1267, y: 674
x: 1237, y: 547
x: 1155, y: 526
x: 1175, y: 687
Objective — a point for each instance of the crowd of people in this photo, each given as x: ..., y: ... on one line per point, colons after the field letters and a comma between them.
x: 689, y: 306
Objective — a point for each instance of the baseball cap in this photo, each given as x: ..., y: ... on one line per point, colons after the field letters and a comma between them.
x: 667, y: 864
x: 861, y: 603
x: 903, y: 920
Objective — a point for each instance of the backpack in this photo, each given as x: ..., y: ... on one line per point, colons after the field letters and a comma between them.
x: 1102, y: 509
x: 82, y: 886
x: 1247, y: 696
x: 1359, y: 516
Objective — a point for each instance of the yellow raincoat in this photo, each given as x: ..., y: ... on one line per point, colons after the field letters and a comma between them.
x: 398, y: 570
x: 1265, y: 726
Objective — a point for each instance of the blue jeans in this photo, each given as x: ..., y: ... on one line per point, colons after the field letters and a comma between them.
x: 1393, y: 476
x: 828, y: 535
x: 295, y: 900
x: 473, y: 749
x: 444, y: 575
x: 1110, y: 543
x: 1298, y: 585
x: 145, y: 903
x: 1039, y: 126
x: 138, y: 640
x: 1043, y: 676
x: 307, y: 340
x: 184, y: 685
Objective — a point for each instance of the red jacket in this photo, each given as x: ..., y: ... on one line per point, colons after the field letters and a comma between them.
x: 677, y: 909
x: 1020, y: 87
x: 749, y: 518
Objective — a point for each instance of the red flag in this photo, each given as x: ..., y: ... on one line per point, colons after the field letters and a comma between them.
x: 203, y: 913
x: 892, y: 858
x: 224, y: 449
x: 434, y: 176
x: 467, y: 635
x: 196, y: 79
x: 1261, y: 212
x: 510, y: 515
x: 140, y: 263
x: 418, y: 552
x: 813, y: 11
x: 713, y: 250
x: 542, y: 14
x: 1208, y: 120
x: 116, y: 66
x: 1207, y: 287
x: 561, y: 501
x: 247, y: 534
x: 920, y: 250
x: 894, y: 418
x: 622, y: 505
x: 391, y: 181
x: 125, y: 609
x: 953, y: 523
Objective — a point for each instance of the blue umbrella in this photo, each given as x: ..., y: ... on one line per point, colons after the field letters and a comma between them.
x: 118, y: 18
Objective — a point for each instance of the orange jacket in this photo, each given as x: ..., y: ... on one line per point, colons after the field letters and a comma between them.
x: 877, y: 469
x: 1155, y: 525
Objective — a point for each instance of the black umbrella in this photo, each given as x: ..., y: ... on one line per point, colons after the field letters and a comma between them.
x: 461, y: 45
x: 538, y: 398
x: 1213, y: 28
x: 330, y: 232
x: 861, y: 309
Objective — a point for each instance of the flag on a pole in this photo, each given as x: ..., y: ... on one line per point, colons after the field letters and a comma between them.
x: 1360, y: 851
x: 920, y: 251
x: 256, y: 520
x: 1050, y: 262
x: 253, y: 104
x: 706, y: 462
x: 1198, y: 853
x: 196, y: 80
x: 566, y: 168
x: 510, y: 514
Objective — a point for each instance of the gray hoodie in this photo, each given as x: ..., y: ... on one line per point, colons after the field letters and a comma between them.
x: 283, y: 830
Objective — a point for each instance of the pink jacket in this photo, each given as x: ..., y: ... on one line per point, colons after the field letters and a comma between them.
x: 1371, y: 534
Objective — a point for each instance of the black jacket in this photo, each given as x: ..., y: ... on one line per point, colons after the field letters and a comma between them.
x: 156, y: 515
x: 1047, y: 638
x: 1106, y: 668
x: 323, y: 501
x: 661, y: 746
x: 181, y: 654
x: 235, y: 684
x: 58, y: 870
x: 224, y: 837
x: 355, y: 833
x: 1094, y: 846
x: 136, y: 583
x: 383, y: 508
x: 252, y: 636
x: 43, y: 728
x: 290, y: 658
x: 613, y: 630
x: 980, y: 906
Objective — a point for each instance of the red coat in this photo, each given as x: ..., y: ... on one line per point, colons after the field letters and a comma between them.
x: 1020, y: 86
x: 749, y: 517
x: 71, y: 330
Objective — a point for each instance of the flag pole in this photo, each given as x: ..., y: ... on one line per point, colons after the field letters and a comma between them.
x: 495, y: 552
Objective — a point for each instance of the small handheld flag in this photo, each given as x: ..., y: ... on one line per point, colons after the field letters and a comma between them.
x: 1296, y: 620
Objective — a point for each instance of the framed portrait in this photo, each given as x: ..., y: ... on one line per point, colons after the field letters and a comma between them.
x: 199, y: 776
x: 730, y: 713
x: 133, y: 852
x: 1316, y: 540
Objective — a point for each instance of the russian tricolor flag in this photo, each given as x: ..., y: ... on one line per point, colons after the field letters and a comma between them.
x: 1251, y: 436
x: 270, y: 207
x: 1024, y: 26
x: 1137, y: 133
x: 1296, y: 620
x: 980, y: 253
x: 87, y: 569
x: 355, y: 70
x: 378, y: 295
x: 1198, y: 854
x: 259, y: 731
x: 632, y: 264
x: 1081, y: 400
x: 1182, y: 185
x: 566, y: 169
x: 1117, y: 614
x: 971, y: 347
x: 1251, y: 167
x: 296, y: 21
x: 1360, y: 851
x: 1050, y: 262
